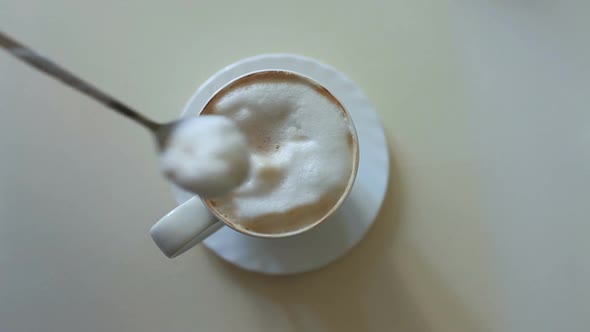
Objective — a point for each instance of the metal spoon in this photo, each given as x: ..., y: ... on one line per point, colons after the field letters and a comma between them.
x: 161, y: 131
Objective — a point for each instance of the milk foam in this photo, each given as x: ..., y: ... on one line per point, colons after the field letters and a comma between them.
x: 302, y: 153
x: 206, y: 155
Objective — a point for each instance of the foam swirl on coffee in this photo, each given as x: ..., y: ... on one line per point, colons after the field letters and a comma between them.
x: 302, y: 148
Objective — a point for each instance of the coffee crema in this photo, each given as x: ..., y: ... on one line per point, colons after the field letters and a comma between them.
x: 303, y: 149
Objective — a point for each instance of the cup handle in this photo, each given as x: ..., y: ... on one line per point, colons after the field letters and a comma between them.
x: 184, y: 227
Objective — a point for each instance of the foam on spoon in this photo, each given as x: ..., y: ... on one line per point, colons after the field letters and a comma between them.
x: 206, y: 155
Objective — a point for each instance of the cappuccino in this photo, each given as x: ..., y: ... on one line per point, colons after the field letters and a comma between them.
x: 303, y: 152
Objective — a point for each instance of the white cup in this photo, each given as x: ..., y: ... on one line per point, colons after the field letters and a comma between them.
x: 194, y: 220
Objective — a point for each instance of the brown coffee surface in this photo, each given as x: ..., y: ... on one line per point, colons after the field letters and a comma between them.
x: 304, y: 152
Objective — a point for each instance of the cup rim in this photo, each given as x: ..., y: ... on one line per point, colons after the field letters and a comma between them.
x: 336, y: 205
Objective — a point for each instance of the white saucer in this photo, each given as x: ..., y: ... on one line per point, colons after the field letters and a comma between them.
x: 337, y: 235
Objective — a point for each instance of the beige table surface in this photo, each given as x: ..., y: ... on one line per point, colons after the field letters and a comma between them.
x: 485, y: 224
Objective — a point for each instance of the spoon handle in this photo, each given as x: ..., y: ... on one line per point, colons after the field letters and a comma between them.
x: 47, y: 66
